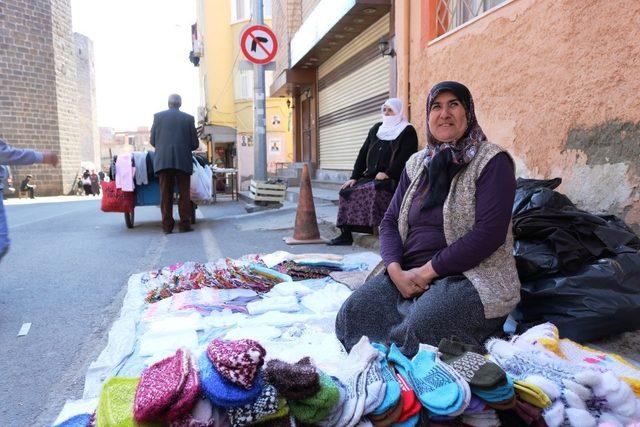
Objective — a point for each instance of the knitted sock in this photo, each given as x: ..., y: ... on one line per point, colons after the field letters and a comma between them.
x: 266, y: 404
x: 316, y: 408
x: 464, y: 392
x: 554, y: 415
x: 473, y: 367
x: 389, y: 417
x: 160, y: 385
x: 336, y: 411
x: 281, y: 412
x: 375, y: 386
x: 238, y: 361
x: 293, y: 380
x: 531, y: 393
x: 435, y: 388
x: 409, y: 422
x: 499, y: 394
x: 222, y: 392
x: 188, y: 396
x: 353, y: 377
x: 115, y: 407
x: 410, y: 403
x: 392, y: 390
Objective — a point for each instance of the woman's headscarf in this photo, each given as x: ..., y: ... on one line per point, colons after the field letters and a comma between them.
x: 445, y: 159
x: 392, y: 126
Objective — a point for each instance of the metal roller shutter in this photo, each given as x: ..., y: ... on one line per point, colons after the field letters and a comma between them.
x: 340, y: 143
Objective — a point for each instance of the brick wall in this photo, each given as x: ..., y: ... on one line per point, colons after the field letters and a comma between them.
x: 86, y: 87
x: 37, y: 87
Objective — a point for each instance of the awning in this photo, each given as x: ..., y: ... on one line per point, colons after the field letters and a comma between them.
x: 331, y: 25
x: 289, y: 82
x: 219, y: 133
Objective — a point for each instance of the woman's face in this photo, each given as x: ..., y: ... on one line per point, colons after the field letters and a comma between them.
x: 447, y: 118
x: 387, y: 111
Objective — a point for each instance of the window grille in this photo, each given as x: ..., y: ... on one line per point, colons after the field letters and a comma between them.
x: 453, y: 13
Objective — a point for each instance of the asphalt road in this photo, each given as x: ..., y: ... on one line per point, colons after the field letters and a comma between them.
x: 66, y: 274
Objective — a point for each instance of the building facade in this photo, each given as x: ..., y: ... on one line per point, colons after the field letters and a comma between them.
x: 87, y: 112
x: 226, y: 82
x: 552, y: 82
x: 38, y: 87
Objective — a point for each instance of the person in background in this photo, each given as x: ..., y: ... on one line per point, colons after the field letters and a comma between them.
x: 95, y: 183
x: 26, y: 185
x: 86, y: 183
x: 174, y: 136
x: 16, y: 156
x: 101, y: 176
x: 365, y: 196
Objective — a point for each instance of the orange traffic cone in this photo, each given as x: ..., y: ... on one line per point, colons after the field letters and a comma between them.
x: 306, y: 227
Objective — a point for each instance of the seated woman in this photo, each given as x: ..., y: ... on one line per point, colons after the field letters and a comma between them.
x: 365, y: 197
x: 445, y: 240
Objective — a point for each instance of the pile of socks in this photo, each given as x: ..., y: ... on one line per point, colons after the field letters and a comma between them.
x: 580, y: 396
x: 167, y: 390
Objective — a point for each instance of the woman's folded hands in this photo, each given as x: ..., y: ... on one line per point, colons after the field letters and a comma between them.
x: 414, y: 282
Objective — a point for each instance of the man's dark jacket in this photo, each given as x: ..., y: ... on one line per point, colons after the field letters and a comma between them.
x: 174, y: 136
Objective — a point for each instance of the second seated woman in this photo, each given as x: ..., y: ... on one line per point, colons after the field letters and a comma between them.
x: 364, y: 198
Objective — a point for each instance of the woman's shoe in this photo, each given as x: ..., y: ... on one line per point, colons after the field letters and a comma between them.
x: 343, y: 239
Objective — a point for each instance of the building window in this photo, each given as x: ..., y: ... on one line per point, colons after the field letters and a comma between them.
x: 450, y: 14
x: 241, y: 9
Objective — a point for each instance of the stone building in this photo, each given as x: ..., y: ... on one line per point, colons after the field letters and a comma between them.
x: 87, y: 114
x: 38, y: 91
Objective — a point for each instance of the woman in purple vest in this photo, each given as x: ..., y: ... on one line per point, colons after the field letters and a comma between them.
x: 445, y: 239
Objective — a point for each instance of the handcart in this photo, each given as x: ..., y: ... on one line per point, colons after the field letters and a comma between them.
x: 149, y: 195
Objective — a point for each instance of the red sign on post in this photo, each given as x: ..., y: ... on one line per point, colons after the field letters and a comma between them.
x: 259, y: 44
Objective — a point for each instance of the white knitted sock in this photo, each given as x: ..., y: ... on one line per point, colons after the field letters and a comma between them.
x: 611, y: 419
x: 375, y: 386
x: 580, y: 418
x: 550, y: 388
x: 554, y: 415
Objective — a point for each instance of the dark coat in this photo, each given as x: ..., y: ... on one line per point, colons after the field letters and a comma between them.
x: 174, y: 136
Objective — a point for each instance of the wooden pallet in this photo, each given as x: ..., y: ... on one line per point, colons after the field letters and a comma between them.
x: 263, y: 192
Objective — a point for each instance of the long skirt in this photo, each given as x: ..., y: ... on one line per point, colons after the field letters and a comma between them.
x: 364, y: 207
x: 450, y: 308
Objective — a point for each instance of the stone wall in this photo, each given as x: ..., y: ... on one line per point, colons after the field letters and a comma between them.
x: 555, y: 82
x: 86, y: 87
x: 37, y: 87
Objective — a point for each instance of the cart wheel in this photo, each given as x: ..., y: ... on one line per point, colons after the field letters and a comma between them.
x: 129, y: 218
x: 193, y: 212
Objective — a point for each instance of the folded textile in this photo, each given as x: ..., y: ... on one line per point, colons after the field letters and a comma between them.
x: 273, y: 303
x: 316, y: 408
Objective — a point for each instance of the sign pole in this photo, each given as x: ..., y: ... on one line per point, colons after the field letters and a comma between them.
x: 259, y: 109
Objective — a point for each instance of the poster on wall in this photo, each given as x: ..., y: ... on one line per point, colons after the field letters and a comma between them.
x: 275, y: 146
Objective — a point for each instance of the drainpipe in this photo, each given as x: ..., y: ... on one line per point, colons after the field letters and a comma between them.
x: 406, y: 54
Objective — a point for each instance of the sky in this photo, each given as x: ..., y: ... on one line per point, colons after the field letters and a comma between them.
x: 141, y: 52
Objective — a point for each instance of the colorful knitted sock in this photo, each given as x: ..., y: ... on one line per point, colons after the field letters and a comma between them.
x: 283, y: 410
x: 222, y: 392
x: 375, y: 386
x: 531, y: 393
x: 266, y: 404
x: 188, y: 395
x: 392, y: 391
x: 160, y: 385
x: 474, y: 368
x: 336, y: 411
x: 293, y: 380
x: 435, y: 388
x: 389, y: 417
x: 499, y: 394
x: 464, y: 392
x: 238, y: 361
x: 115, y: 407
x: 317, y: 408
x: 353, y: 377
x: 410, y: 422
x: 410, y: 403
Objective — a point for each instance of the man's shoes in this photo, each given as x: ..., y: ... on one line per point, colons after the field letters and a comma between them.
x: 186, y: 229
x: 167, y: 231
x: 342, y: 240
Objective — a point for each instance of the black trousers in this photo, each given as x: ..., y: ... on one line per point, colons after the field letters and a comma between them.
x: 168, y: 179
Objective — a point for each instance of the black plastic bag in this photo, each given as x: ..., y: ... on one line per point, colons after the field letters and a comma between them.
x: 536, y: 193
x: 535, y: 259
x: 599, y: 300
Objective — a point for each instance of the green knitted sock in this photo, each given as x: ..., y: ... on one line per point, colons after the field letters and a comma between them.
x: 316, y: 408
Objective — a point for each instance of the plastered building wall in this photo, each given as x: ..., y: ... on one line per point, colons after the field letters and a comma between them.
x: 556, y: 83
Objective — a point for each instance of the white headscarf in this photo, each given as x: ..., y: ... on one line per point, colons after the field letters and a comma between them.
x: 392, y: 126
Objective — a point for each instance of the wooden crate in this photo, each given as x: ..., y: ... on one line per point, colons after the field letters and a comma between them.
x: 260, y: 191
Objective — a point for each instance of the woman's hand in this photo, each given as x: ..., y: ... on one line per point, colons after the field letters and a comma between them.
x: 407, y: 282
x: 425, y: 274
x: 381, y: 175
x: 348, y: 184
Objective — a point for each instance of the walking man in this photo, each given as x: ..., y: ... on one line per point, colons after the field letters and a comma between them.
x: 16, y: 156
x: 174, y: 137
